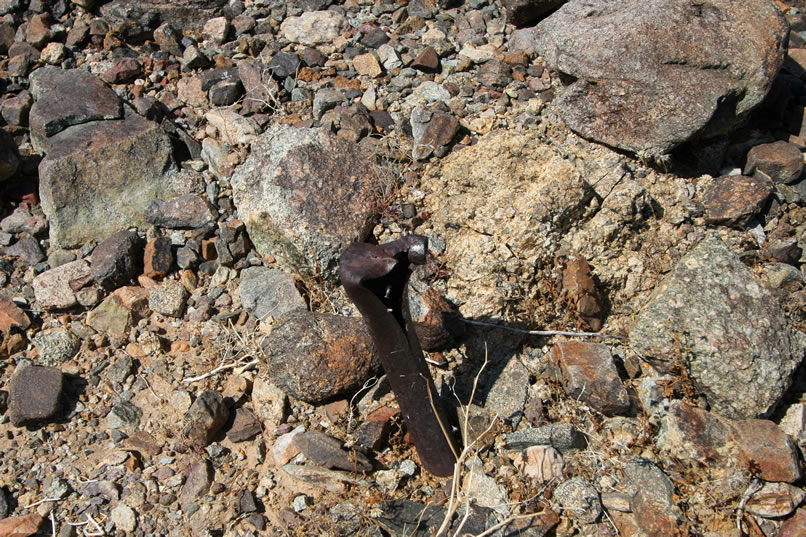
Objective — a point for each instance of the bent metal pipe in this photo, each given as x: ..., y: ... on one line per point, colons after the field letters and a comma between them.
x: 375, y: 278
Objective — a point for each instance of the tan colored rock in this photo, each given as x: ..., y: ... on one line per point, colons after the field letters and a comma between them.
x: 367, y: 64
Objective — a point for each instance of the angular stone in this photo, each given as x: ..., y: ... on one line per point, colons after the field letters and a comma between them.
x: 270, y: 404
x: 689, y: 432
x: 579, y: 288
x: 653, y: 498
x: 34, y: 394
x: 507, y: 392
x: 124, y: 415
x: 27, y: 249
x: 189, y: 91
x: 22, y: 221
x: 124, y: 518
x: 57, y: 287
x: 55, y: 346
x: 590, y: 375
x: 735, y: 199
x: 318, y: 356
x: 21, y: 526
x: 158, y: 258
x: 327, y: 451
x: 16, y: 109
x: 124, y: 70
x: 367, y: 64
x: 780, y: 161
x: 543, y: 463
x: 432, y: 130
x: 199, y: 477
x: 244, y: 427
x: 247, y: 503
x: 117, y: 259
x: 114, y: 167
x: 193, y: 58
x: 225, y: 93
x: 261, y: 89
x: 649, y: 99
x: 216, y: 29
x: 66, y: 97
x: 169, y: 299
x: 284, y: 64
x: 426, y: 61
x: 112, y: 318
x: 579, y: 499
x: 284, y: 449
x: 767, y: 450
x: 313, y: 28
x: 206, y: 416
x: 168, y: 38
x: 740, y: 349
x: 564, y: 437
x: 374, y: 431
x: 12, y: 316
x: 523, y: 13
x: 269, y: 292
x: 305, y: 195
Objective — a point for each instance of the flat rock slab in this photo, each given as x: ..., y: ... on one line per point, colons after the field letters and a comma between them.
x: 65, y: 97
x: 305, y: 195
x: 650, y: 75
x: 590, y: 375
x: 715, y: 317
x: 35, y: 394
x: 690, y: 432
x: 780, y: 161
x: 327, y: 451
x: 57, y: 287
x: 184, y: 212
x: 318, y: 356
x: 99, y: 177
x: 313, y: 27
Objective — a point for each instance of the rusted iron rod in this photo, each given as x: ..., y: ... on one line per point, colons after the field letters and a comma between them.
x: 375, y: 278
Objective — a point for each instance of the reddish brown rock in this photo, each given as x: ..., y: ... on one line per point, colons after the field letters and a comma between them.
x: 590, y: 375
x: 124, y: 70
x: 427, y: 61
x: 689, y: 432
x: 734, y: 199
x: 794, y: 526
x: 373, y: 433
x: 117, y: 259
x: 12, y: 316
x: 34, y: 394
x: 766, y: 450
x: 579, y: 288
x: 158, y: 258
x: 433, y: 130
x: 318, y: 356
x: 21, y: 526
x: 780, y: 161
x: 244, y: 427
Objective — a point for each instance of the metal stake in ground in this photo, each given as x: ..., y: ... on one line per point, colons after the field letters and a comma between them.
x: 375, y: 278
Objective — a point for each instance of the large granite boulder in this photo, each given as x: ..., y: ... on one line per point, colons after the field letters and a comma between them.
x: 648, y: 75
x: 715, y: 318
x: 305, y: 195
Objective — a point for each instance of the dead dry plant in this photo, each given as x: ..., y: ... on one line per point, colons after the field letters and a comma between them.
x: 238, y: 352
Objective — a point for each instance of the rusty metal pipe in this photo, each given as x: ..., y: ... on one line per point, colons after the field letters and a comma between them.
x: 375, y: 278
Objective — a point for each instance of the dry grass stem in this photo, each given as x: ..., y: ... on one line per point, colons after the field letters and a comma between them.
x: 545, y: 333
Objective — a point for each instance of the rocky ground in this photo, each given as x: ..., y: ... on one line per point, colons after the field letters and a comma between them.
x: 178, y: 179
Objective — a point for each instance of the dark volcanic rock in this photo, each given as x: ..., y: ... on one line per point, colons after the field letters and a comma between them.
x: 190, y: 14
x: 117, y: 259
x: 9, y: 156
x: 712, y: 312
x: 432, y: 130
x: 27, y: 249
x: 305, y: 195
x: 158, y: 258
x: 206, y: 416
x: 650, y: 75
x: 35, y: 394
x: 317, y: 356
x: 68, y: 97
x: 527, y: 12
x: 244, y: 427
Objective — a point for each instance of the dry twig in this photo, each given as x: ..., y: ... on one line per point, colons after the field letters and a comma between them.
x: 544, y: 333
